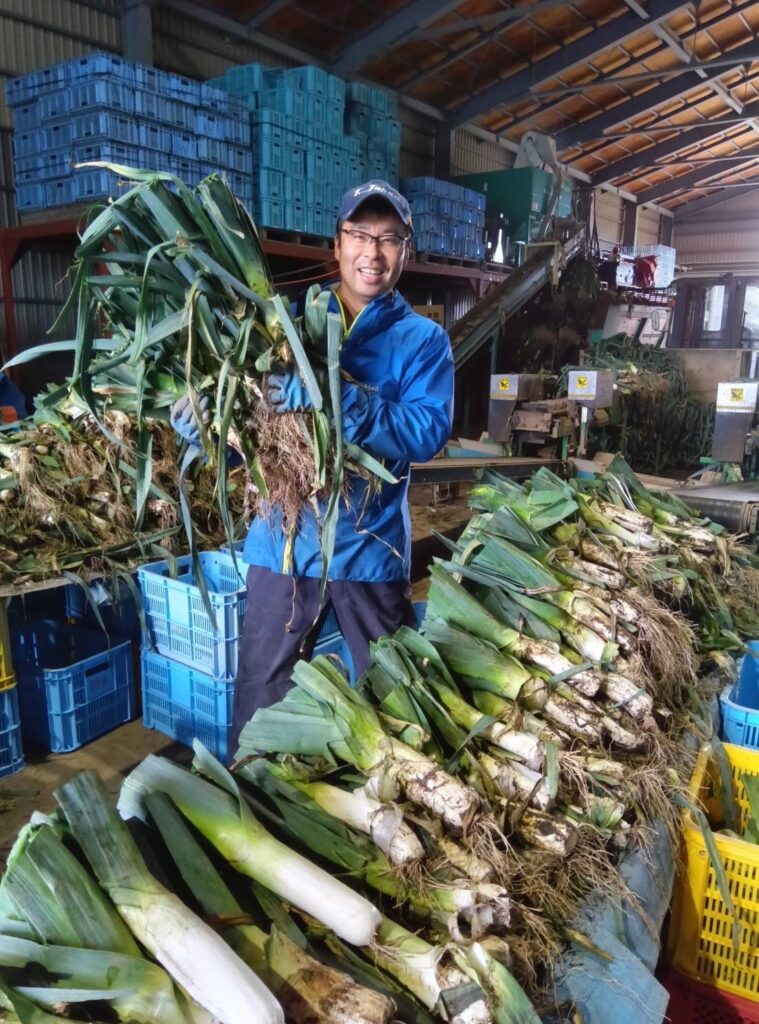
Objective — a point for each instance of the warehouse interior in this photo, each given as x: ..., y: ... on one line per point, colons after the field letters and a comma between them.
x: 495, y: 570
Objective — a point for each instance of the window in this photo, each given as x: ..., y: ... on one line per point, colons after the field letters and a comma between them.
x: 714, y: 308
x: 750, y: 331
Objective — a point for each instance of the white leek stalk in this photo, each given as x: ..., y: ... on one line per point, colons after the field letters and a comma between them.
x: 229, y: 824
x: 193, y: 954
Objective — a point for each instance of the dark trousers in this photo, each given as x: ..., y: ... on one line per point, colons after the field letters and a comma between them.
x: 282, y: 622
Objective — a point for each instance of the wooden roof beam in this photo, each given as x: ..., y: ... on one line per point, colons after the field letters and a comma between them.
x: 595, y: 40
x: 698, y: 206
x: 653, y: 154
x: 702, y: 173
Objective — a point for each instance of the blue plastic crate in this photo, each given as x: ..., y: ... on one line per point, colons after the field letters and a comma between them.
x: 357, y: 120
x: 28, y: 143
x: 211, y: 124
x: 185, y: 703
x: 11, y: 753
x: 151, y: 104
x: 102, y: 64
x: 101, y: 124
x: 17, y: 90
x: 120, y: 617
x: 269, y: 123
x: 276, y: 154
x: 288, y: 101
x: 317, y: 163
x: 268, y: 213
x: 155, y: 137
x: 96, y: 183
x: 110, y: 152
x: 26, y: 116
x: 296, y: 216
x: 179, y: 87
x: 245, y: 79
x: 72, y: 686
x: 211, y: 150
x: 95, y: 94
x: 239, y: 158
x: 31, y: 196
x: 177, y: 619
x: 36, y: 169
x: 60, y: 191
x: 739, y: 702
x: 268, y: 184
x: 183, y: 144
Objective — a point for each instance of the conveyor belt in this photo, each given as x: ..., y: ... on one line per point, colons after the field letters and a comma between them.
x: 735, y: 506
x: 485, y: 320
x: 445, y: 470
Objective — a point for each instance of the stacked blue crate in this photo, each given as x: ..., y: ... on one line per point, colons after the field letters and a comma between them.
x: 370, y: 118
x: 300, y: 157
x: 106, y: 109
x: 449, y: 220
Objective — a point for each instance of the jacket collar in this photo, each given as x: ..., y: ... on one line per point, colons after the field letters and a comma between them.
x: 377, y: 315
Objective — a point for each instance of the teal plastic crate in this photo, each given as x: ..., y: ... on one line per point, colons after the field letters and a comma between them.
x: 72, y: 684
x: 177, y: 619
x: 185, y: 703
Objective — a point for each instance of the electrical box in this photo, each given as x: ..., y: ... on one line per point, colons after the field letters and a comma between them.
x: 734, y: 419
x: 592, y: 388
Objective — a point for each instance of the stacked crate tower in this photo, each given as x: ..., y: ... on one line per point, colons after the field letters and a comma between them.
x: 102, y: 108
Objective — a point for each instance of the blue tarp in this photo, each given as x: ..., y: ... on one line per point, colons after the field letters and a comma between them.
x: 621, y: 989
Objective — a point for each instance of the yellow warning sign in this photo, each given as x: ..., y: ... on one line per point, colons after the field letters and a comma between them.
x: 736, y: 394
x: 505, y: 383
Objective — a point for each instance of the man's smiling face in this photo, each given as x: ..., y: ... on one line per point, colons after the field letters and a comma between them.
x: 370, y: 266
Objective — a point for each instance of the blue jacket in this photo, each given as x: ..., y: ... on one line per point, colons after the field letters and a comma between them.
x: 400, y: 411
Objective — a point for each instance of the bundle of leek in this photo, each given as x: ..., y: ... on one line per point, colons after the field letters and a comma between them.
x: 443, y: 981
x: 178, y: 279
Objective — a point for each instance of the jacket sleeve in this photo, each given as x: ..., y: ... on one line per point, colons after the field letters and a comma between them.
x: 417, y: 425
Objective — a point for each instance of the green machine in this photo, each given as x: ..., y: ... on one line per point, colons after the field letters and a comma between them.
x: 522, y: 195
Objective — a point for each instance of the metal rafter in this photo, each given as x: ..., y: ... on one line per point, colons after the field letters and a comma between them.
x: 697, y: 206
x: 391, y: 32
x: 506, y: 18
x: 463, y: 52
x: 687, y: 57
x: 578, y: 52
x: 268, y: 12
x: 233, y: 27
x: 649, y: 156
x: 692, y: 178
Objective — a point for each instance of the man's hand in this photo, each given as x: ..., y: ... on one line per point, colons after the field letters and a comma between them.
x: 286, y: 392
x: 183, y: 420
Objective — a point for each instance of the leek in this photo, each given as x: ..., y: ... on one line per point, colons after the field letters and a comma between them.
x: 310, y: 992
x: 229, y: 825
x: 193, y: 954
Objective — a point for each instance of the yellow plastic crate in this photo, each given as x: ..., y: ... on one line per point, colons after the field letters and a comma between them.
x: 6, y: 667
x: 699, y: 942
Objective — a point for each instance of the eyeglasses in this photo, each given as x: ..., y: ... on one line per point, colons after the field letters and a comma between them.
x: 385, y: 243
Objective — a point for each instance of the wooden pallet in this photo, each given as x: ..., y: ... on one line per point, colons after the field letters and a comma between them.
x: 294, y: 237
x: 448, y: 261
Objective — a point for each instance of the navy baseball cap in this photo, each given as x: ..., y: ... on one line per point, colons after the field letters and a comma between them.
x: 375, y: 189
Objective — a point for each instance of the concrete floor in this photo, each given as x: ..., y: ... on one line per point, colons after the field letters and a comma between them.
x: 112, y: 756
x: 115, y: 754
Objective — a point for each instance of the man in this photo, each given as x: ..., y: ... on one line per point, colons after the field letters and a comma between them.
x: 397, y: 397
